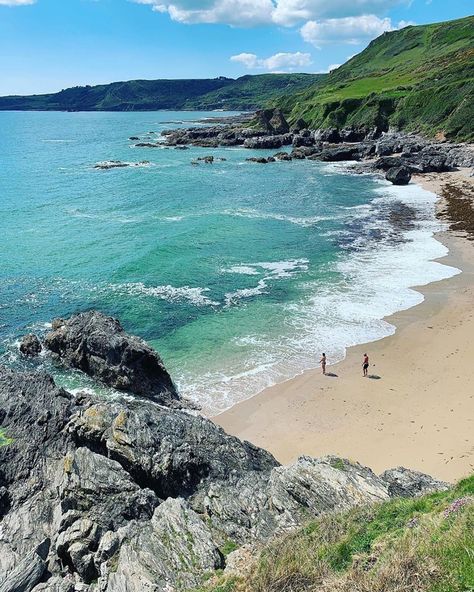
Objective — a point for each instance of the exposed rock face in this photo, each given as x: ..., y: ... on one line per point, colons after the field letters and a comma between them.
x: 126, y: 495
x: 272, y: 121
x: 275, y: 141
x: 30, y: 345
x: 340, y: 153
x: 98, y: 345
x: 406, y: 483
x: 398, y: 175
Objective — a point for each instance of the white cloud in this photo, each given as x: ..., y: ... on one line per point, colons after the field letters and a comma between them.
x: 292, y: 12
x: 250, y: 13
x: 16, y: 2
x: 240, y: 13
x: 351, y: 29
x: 275, y: 63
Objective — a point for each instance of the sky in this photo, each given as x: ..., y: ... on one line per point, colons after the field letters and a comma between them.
x: 47, y: 45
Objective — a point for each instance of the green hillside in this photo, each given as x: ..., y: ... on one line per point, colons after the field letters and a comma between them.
x: 418, y: 78
x: 423, y: 544
x: 247, y: 92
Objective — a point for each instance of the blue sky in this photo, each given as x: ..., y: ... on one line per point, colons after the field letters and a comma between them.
x: 46, y: 45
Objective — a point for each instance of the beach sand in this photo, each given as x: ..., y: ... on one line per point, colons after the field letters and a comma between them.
x: 418, y: 414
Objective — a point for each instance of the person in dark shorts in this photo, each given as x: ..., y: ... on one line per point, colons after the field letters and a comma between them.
x: 365, y: 364
x: 322, y: 361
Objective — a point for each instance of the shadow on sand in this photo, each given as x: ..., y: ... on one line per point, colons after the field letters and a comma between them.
x: 374, y: 376
x: 331, y: 374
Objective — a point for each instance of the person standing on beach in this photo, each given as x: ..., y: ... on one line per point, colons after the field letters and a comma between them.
x: 322, y: 361
x: 365, y: 365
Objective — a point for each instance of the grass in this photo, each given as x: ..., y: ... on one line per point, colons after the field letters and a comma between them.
x: 4, y: 439
x: 421, y: 544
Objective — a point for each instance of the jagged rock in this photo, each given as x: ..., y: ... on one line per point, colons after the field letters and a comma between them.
x: 125, y: 495
x: 30, y: 345
x: 206, y: 159
x: 327, y: 135
x: 403, y: 482
x: 348, y: 152
x: 174, y: 547
x: 314, y: 486
x: 398, y: 175
x: 299, y: 126
x: 28, y: 572
x: 98, y: 345
x: 306, y: 151
x: 349, y: 134
x: 271, y: 120
x: 302, y: 141
x: 282, y: 156
x: 276, y: 141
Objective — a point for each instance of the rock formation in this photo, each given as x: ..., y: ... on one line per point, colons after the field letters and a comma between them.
x: 98, y: 345
x: 124, y: 494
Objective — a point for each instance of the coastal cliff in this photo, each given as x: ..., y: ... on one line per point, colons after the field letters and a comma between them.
x: 127, y: 493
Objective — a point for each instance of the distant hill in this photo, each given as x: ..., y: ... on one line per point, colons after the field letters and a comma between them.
x: 418, y: 78
x: 245, y: 93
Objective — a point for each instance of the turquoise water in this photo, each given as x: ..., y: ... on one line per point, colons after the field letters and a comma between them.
x: 239, y: 274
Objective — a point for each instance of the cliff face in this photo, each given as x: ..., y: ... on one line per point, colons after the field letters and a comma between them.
x: 128, y: 494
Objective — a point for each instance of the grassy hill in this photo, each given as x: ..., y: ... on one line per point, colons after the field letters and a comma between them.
x: 423, y: 544
x: 418, y: 78
x: 245, y: 93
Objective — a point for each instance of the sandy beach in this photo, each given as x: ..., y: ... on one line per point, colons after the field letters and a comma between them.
x: 416, y: 409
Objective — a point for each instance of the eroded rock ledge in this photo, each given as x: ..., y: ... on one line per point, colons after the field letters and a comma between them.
x: 397, y: 155
x: 130, y: 495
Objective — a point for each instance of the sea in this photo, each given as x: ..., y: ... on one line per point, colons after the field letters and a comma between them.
x: 239, y: 274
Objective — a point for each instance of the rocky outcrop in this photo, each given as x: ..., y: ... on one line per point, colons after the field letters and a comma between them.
x: 274, y: 141
x: 126, y: 495
x: 132, y: 496
x: 403, y: 482
x: 398, y: 175
x: 271, y: 120
x: 98, y: 345
x: 30, y: 345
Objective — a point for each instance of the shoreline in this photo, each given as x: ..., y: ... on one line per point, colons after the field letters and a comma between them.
x: 379, y: 422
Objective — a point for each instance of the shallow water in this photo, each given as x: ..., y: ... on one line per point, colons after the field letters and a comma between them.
x: 239, y: 274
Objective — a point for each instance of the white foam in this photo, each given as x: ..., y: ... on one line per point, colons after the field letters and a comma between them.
x: 196, y: 296
x: 299, y: 221
x: 375, y: 281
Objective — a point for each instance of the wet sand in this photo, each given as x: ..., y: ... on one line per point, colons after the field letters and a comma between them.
x: 417, y: 407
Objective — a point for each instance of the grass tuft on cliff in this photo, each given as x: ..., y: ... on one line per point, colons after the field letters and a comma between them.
x: 423, y: 544
x: 420, y: 78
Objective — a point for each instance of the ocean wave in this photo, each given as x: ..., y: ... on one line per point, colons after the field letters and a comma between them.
x: 299, y: 221
x: 196, y: 296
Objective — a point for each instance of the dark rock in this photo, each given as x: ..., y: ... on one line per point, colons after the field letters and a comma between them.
x: 26, y: 574
x: 30, y: 345
x: 276, y: 141
x: 340, y: 153
x: 271, y: 120
x: 206, y: 159
x: 98, y: 345
x: 327, y: 135
x: 299, y: 126
x: 403, y: 482
x: 398, y: 175
x: 349, y: 134
x: 259, y: 159
x: 302, y: 141
x: 134, y: 138
x: 282, y: 156
x: 181, y: 147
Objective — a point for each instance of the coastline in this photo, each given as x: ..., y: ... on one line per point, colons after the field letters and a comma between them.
x: 380, y: 422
